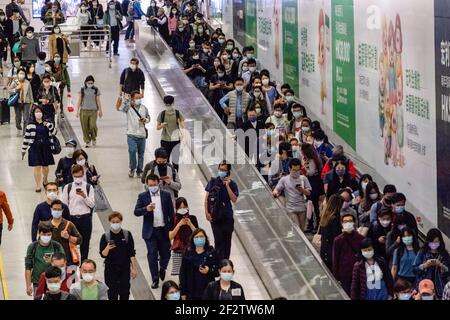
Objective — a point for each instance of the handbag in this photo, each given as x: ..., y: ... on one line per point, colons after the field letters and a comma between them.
x: 74, y: 250
x: 56, y: 145
x: 317, y: 239
x: 101, y: 203
x: 16, y: 47
x: 13, y: 99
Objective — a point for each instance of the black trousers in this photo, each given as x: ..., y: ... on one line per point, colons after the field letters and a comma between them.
x: 1, y: 228
x: 115, y: 35
x: 117, y: 279
x: 223, y: 232
x: 158, y: 246
x: 84, y: 226
x: 169, y: 146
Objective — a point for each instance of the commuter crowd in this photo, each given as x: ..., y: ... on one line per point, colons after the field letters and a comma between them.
x: 364, y: 233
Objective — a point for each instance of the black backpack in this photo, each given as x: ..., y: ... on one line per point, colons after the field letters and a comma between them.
x: 174, y: 175
x: 215, y: 205
x: 177, y: 116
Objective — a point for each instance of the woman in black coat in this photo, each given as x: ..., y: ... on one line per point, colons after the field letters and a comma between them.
x: 35, y: 81
x: 198, y: 267
x: 338, y: 179
x: 330, y: 227
x: 225, y: 288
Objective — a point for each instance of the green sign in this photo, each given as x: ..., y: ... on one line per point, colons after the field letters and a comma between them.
x: 290, y: 44
x: 250, y: 24
x: 344, y: 70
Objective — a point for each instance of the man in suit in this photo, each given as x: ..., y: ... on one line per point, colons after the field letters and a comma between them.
x: 156, y: 207
x: 250, y: 135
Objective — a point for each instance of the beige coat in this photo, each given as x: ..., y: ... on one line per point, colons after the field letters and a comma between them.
x: 52, y: 50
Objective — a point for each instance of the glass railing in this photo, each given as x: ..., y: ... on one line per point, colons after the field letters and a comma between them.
x: 283, y: 257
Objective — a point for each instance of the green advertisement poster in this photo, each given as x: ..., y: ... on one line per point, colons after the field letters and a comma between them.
x: 250, y: 24
x: 343, y: 45
x: 290, y: 44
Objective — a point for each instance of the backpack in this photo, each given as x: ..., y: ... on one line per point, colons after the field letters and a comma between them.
x: 88, y: 189
x: 174, y: 175
x: 177, y: 116
x: 35, y: 245
x: 215, y: 205
x: 126, y: 234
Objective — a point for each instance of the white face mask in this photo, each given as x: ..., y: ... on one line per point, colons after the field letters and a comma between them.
x: 45, y: 239
x: 69, y: 151
x: 81, y: 162
x: 252, y: 69
x: 367, y: 254
x: 21, y: 76
x: 364, y: 185
x: 116, y: 226
x: 318, y: 143
x: 182, y: 211
x: 385, y: 223
x: 348, y: 226
x: 244, y: 69
x: 374, y: 196
x: 38, y: 115
x: 265, y: 82
x: 54, y: 287
x: 78, y: 180
x: 16, y: 64
x: 29, y: 35
x: 52, y: 195
x: 133, y: 66
x: 88, y: 277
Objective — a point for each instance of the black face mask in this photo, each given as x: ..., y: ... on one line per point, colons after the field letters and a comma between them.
x: 161, y: 165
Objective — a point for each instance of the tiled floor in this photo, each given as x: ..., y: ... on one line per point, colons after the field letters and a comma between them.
x: 111, y: 159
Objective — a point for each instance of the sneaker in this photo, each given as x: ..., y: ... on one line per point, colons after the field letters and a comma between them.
x: 139, y: 175
x: 131, y: 174
x: 116, y: 54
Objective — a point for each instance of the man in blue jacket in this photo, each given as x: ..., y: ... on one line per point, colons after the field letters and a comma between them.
x: 156, y: 207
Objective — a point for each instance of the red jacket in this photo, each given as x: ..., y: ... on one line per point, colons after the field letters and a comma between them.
x: 42, y: 285
x: 327, y: 168
x: 4, y: 206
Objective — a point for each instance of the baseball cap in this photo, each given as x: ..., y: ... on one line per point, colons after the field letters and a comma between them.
x: 71, y: 142
x: 426, y: 286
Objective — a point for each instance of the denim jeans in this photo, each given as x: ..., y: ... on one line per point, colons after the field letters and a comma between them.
x: 136, y: 146
x: 199, y: 82
x: 130, y: 31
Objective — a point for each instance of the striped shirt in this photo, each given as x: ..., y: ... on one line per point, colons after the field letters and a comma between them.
x: 30, y: 135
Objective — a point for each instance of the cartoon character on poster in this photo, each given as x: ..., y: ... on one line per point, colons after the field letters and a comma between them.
x: 391, y: 92
x: 321, y: 60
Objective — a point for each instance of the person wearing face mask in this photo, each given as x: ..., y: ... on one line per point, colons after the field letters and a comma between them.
x: 79, y: 197
x: 132, y: 79
x: 22, y: 87
x: 29, y: 47
x: 378, y: 232
x: 43, y: 211
x: 184, y: 225
x: 170, y: 291
x: 38, y: 141
x: 219, y: 85
x: 346, y: 252
x: 371, y: 279
x: 117, y: 248
x: 34, y: 79
x: 196, y: 70
x: 199, y: 266
x: 295, y: 126
x: 161, y: 22
x: 137, y: 118
x: 58, y: 44
x: 279, y: 120
x: 386, y: 201
x: 88, y: 107
x: 347, y: 207
x: 268, y: 89
x: 89, y: 288
x: 54, y: 16
x: 323, y: 149
x: 251, y: 73
x: 40, y: 64
x: 206, y: 57
x: 433, y: 261
x: 13, y: 28
x: 65, y: 233
x: 296, y: 188
x: 247, y: 54
x: 427, y: 291
x: 46, y: 6
x: 338, y: 154
x: 234, y: 104
x: 401, y: 216
x: 84, y: 20
x: 404, y: 256
x: 170, y: 180
x: 339, y: 178
x: 48, y: 97
x: 13, y: 8
x: 53, y: 279
x: 156, y: 208
x: 237, y: 57
x: 62, y: 172
x: 403, y: 290
x: 173, y: 19
x: 113, y: 19
x: 224, y: 288
x: 372, y: 194
x: 135, y: 13
x: 38, y: 257
x: 97, y: 14
x: 219, y: 45
x: 180, y: 39
x: 90, y: 172
x: 62, y: 79
x: 258, y: 97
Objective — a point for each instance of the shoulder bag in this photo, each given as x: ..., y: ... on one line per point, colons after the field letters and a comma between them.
x: 317, y: 239
x: 74, y: 251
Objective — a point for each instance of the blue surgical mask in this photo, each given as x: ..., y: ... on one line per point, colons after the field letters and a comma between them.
x: 199, y: 242
x: 297, y: 114
x: 226, y: 276
x: 407, y: 240
x: 427, y: 298
x: 174, y: 296
x: 153, y: 189
x: 116, y: 226
x: 222, y: 174
x: 56, y: 214
x: 404, y: 296
x: 399, y: 209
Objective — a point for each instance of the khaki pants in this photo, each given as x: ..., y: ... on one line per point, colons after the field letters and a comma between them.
x: 88, y: 119
x: 299, y: 218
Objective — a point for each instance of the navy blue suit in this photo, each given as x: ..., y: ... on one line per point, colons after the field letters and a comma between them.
x: 156, y: 239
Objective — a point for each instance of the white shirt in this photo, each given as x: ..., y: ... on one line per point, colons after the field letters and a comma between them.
x: 76, y: 203
x: 373, y: 273
x: 134, y: 126
x: 158, y: 218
